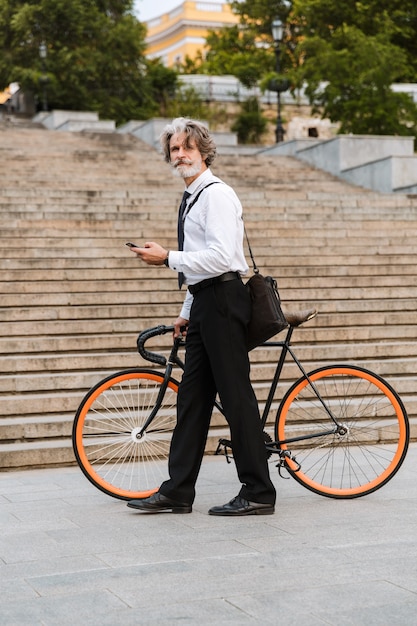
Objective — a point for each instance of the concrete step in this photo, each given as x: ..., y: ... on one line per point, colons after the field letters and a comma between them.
x: 60, y: 453
x: 280, y: 264
x: 137, y: 272
x: 65, y: 402
x: 357, y: 336
x: 349, y: 312
x: 31, y: 368
x: 263, y: 254
x: 126, y: 283
x: 73, y: 299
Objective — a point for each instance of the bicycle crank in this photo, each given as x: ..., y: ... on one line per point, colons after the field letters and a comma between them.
x: 282, y: 464
x: 225, y: 445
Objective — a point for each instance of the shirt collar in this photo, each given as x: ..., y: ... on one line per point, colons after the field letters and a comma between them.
x: 200, y: 181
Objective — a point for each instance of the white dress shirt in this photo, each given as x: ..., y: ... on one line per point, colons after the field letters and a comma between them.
x: 213, y: 236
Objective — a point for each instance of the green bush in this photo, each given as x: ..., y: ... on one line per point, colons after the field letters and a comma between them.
x: 250, y: 123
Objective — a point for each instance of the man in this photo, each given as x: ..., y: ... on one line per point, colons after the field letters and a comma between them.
x: 215, y: 312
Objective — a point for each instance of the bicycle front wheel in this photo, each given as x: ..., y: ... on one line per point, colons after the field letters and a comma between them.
x: 366, y: 452
x: 107, y: 437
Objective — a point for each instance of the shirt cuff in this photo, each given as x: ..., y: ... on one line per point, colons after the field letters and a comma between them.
x: 174, y: 261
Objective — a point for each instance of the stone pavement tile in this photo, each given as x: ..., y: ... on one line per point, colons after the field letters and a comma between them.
x: 401, y: 572
x: 327, y: 602
x: 16, y: 523
x: 396, y: 614
x: 83, y: 553
x: 42, y: 510
x: 7, y: 519
x: 170, y: 580
x: 15, y: 590
x: 87, y: 608
x: 48, y: 567
x: 16, y: 491
x: 173, y: 550
x: 19, y: 547
x: 201, y: 612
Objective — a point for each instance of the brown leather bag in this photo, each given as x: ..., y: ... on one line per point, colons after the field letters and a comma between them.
x: 267, y: 318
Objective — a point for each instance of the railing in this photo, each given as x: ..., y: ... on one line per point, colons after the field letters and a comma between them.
x: 230, y: 89
x: 209, y: 6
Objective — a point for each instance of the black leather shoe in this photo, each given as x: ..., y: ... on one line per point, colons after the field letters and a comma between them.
x: 158, y: 503
x: 240, y: 506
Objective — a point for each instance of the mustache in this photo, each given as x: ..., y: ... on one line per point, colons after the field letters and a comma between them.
x: 179, y: 162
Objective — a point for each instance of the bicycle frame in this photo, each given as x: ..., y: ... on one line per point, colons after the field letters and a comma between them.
x: 285, y: 349
x: 173, y: 360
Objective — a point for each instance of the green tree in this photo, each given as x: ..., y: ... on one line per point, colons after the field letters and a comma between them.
x: 245, y: 50
x: 234, y: 51
x: 163, y: 83
x: 397, y: 18
x: 352, y: 55
x: 347, y: 52
x: 187, y: 102
x: 95, y: 55
x: 258, y: 15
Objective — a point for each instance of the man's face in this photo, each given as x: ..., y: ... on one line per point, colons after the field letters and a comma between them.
x: 186, y: 160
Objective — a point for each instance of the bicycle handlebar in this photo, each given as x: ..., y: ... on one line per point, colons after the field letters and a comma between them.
x: 148, y: 334
x: 294, y: 320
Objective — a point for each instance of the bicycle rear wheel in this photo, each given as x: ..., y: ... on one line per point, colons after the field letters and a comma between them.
x: 106, y: 437
x: 374, y: 441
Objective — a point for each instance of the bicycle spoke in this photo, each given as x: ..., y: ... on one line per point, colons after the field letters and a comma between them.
x: 361, y: 457
x: 109, y: 443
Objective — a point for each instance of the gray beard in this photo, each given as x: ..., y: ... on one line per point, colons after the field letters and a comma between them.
x: 187, y: 171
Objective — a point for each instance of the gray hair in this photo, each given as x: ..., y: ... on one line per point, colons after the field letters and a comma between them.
x: 193, y: 130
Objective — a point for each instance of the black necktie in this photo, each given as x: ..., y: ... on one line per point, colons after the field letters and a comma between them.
x: 181, y: 217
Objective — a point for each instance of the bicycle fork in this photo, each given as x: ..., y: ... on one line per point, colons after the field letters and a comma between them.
x: 173, y: 360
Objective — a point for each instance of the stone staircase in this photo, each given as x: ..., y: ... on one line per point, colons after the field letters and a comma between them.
x: 73, y: 298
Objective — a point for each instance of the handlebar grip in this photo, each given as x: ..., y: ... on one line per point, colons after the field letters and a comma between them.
x: 148, y: 334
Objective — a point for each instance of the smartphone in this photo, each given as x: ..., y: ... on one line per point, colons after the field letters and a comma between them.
x: 133, y: 245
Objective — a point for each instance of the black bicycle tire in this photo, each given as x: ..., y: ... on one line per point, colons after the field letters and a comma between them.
x: 346, y: 492
x: 79, y: 446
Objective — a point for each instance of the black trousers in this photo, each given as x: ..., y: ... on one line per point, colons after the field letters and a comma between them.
x: 217, y: 361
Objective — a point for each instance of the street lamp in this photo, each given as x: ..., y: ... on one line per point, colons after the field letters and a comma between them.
x: 43, y: 53
x: 277, y: 34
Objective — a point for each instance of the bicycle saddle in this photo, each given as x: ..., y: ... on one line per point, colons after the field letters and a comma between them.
x: 296, y: 319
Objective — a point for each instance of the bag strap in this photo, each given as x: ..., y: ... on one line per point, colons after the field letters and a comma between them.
x: 194, y: 200
x: 255, y: 267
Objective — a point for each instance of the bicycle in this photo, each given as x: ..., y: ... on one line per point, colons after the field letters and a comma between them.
x: 340, y: 430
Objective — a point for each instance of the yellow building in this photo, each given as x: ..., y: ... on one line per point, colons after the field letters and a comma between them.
x: 182, y: 32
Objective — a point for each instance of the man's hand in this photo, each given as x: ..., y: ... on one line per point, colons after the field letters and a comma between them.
x: 152, y: 253
x: 180, y: 321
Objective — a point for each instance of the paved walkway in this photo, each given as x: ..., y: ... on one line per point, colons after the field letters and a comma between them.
x: 72, y: 555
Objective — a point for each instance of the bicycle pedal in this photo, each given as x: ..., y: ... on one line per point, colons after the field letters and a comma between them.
x: 222, y: 447
x: 281, y: 465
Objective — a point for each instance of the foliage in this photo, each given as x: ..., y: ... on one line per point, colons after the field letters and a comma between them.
x: 351, y: 57
x: 163, y: 83
x: 95, y: 55
x: 260, y: 14
x: 359, y: 71
x: 235, y: 52
x: 250, y: 123
x: 396, y: 19
x: 187, y: 103
x: 347, y: 52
